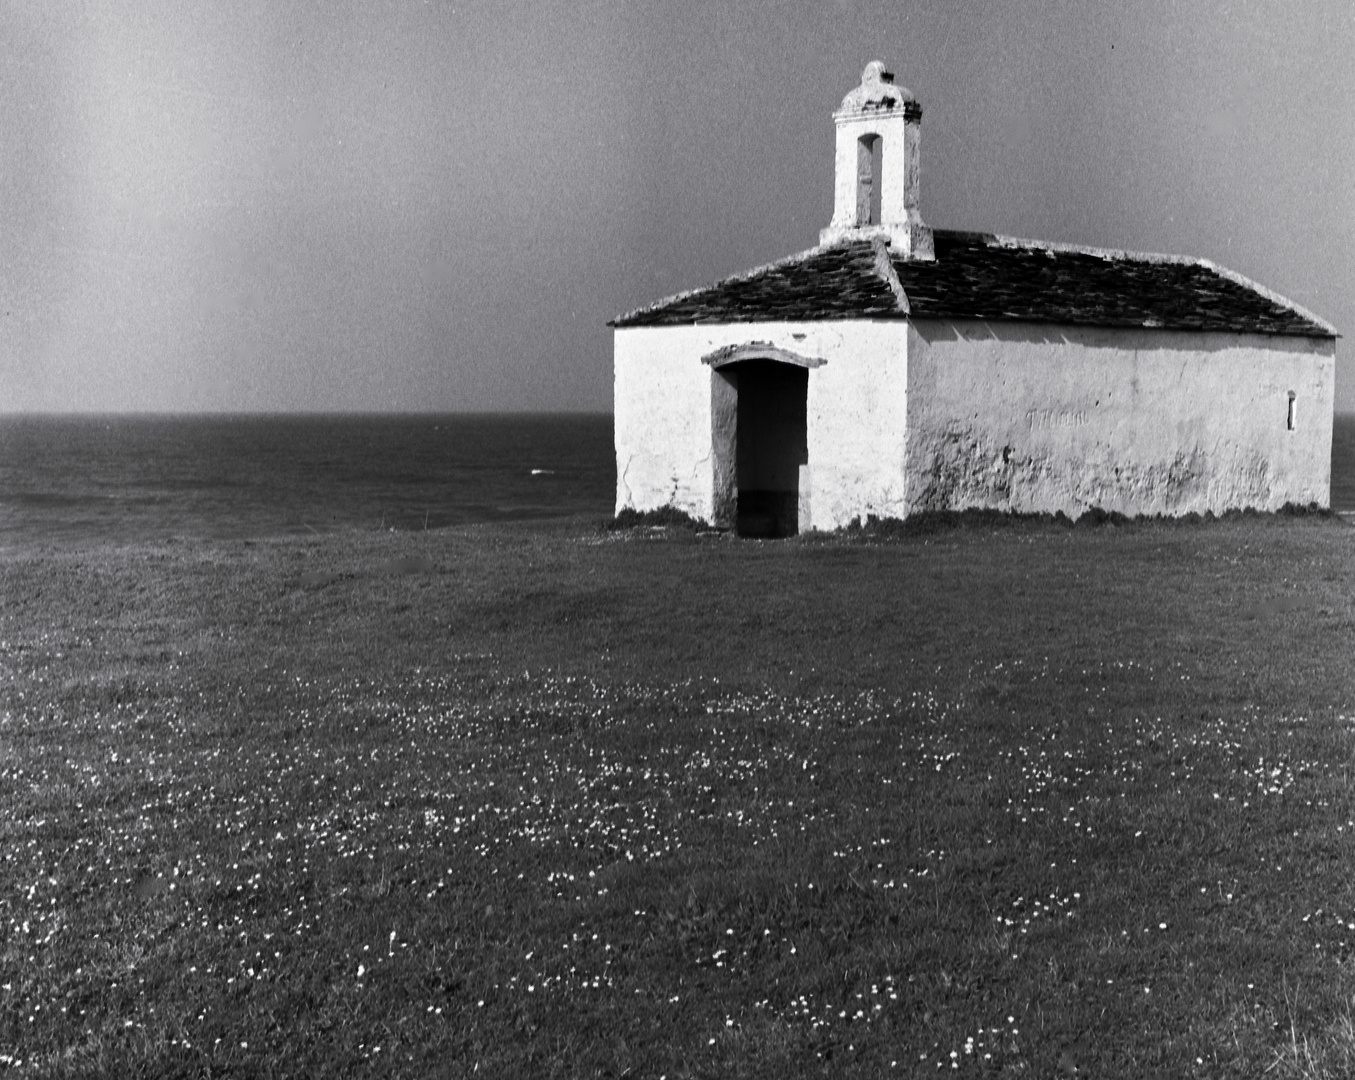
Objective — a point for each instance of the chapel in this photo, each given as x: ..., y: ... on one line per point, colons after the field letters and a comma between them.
x: 895, y: 369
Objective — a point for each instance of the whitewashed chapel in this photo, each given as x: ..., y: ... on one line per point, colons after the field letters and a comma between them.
x: 895, y: 369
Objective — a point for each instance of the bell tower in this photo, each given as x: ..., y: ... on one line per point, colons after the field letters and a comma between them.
x: 875, y: 193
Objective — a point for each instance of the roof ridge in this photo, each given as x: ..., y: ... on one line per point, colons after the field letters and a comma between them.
x: 884, y: 268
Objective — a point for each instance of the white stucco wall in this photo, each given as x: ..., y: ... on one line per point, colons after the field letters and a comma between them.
x: 855, y: 422
x: 934, y: 414
x: 1046, y: 418
x: 661, y: 402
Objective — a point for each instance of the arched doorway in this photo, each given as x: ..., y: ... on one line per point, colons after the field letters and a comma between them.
x: 759, y: 439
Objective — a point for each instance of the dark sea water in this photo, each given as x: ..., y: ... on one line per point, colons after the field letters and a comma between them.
x: 132, y: 478
x: 1343, y: 462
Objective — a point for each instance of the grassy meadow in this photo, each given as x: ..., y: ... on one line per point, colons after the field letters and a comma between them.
x: 1003, y: 799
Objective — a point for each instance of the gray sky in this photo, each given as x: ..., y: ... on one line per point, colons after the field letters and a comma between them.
x: 429, y: 205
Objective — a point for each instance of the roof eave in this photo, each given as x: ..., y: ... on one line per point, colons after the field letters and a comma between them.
x: 1317, y: 332
x: 688, y: 294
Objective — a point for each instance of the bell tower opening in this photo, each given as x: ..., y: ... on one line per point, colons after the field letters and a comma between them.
x: 868, y: 179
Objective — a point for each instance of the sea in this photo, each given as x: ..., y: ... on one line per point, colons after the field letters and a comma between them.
x: 128, y: 479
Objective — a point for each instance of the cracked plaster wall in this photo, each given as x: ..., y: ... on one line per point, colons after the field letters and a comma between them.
x: 662, y: 403
x: 1043, y: 418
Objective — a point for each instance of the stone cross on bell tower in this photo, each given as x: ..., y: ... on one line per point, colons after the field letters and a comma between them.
x: 879, y: 127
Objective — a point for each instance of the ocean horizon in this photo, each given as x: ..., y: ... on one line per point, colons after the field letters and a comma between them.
x: 137, y: 477
x: 134, y: 477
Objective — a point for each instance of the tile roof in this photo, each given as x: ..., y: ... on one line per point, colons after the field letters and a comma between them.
x: 982, y: 276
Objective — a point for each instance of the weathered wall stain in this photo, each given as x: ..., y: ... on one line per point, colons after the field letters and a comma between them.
x: 1056, y: 418
x: 963, y: 469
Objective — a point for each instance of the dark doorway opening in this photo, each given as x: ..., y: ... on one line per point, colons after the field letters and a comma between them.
x: 771, y: 446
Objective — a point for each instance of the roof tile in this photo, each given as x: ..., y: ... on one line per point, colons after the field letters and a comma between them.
x: 981, y: 276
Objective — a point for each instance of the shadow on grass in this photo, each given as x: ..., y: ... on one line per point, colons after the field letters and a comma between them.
x: 931, y: 522
x: 934, y: 521
x: 663, y: 517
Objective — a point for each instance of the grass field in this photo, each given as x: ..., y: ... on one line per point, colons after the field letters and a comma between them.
x: 1020, y: 799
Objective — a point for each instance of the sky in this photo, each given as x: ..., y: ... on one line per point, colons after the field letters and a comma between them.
x: 437, y: 206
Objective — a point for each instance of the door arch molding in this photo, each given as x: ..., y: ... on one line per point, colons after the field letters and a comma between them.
x: 758, y: 350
